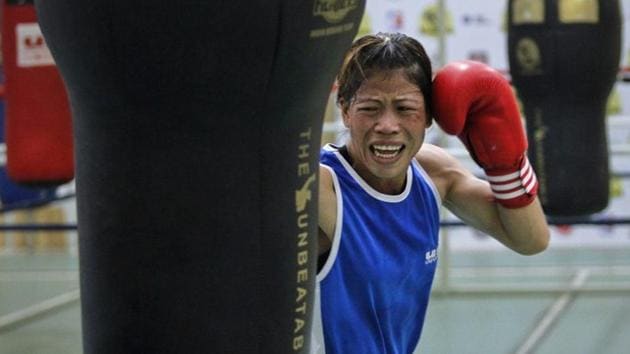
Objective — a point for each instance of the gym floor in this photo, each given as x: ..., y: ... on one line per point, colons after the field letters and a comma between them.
x: 491, y: 301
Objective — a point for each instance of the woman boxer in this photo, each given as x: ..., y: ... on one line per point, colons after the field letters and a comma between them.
x: 380, y: 192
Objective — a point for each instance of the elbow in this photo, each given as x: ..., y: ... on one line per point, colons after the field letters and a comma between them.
x: 537, y: 244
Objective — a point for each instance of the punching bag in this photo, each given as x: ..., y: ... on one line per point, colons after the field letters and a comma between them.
x: 564, y: 57
x: 197, y: 130
x: 38, y: 124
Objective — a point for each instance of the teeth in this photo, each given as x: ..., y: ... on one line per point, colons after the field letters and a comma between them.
x: 387, y: 147
x: 386, y: 151
x: 390, y: 155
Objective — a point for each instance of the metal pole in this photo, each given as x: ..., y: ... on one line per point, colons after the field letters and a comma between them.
x: 444, y: 263
x: 441, y: 17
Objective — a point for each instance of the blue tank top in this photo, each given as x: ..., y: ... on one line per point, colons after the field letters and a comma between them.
x: 373, y: 291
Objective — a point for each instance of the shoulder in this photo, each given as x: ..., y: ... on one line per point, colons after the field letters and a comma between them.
x: 327, y: 202
x: 325, y: 175
x: 327, y: 152
x: 326, y: 186
x: 432, y: 157
x: 443, y: 168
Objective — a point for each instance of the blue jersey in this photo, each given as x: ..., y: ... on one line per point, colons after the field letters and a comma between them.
x: 373, y: 291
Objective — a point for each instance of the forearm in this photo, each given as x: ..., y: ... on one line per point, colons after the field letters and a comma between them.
x: 525, y: 229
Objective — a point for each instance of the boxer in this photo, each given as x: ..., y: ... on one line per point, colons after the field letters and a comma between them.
x: 381, y: 191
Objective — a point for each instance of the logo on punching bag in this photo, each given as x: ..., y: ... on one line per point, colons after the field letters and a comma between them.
x: 334, y: 11
x: 528, y: 56
x: 31, y: 47
x: 304, y: 195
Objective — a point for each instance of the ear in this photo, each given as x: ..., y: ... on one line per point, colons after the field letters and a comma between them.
x: 346, y: 118
x: 344, y: 113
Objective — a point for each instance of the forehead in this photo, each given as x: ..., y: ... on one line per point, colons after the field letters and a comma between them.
x: 392, y: 83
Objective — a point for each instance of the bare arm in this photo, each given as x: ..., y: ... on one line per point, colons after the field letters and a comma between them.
x: 327, y: 210
x: 523, y: 230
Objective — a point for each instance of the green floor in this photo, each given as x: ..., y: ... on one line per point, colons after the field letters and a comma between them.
x: 592, y: 325
x: 27, y: 279
x: 456, y: 324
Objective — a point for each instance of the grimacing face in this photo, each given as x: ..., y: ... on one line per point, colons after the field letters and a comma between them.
x: 387, y: 121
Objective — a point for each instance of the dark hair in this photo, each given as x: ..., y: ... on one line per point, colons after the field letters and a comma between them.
x: 384, y: 52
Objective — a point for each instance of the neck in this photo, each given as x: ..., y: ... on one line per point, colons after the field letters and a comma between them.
x: 391, y: 186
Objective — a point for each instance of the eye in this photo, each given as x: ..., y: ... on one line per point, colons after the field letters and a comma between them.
x: 407, y: 109
x: 367, y: 109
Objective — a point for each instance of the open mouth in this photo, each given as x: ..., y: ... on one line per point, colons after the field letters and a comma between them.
x: 386, y: 151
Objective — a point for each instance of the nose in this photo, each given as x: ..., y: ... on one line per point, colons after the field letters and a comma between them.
x: 388, y: 123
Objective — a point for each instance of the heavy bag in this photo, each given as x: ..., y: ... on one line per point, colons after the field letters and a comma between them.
x: 197, y: 131
x: 38, y: 123
x: 564, y: 57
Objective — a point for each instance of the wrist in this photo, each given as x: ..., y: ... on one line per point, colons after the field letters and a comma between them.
x: 514, y: 188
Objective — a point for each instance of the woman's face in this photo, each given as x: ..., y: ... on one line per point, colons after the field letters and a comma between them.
x: 387, y: 121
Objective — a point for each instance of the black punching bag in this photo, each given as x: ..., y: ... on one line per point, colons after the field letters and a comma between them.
x: 564, y: 57
x: 197, y: 128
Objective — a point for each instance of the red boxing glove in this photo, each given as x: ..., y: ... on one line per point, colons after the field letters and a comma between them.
x: 476, y: 103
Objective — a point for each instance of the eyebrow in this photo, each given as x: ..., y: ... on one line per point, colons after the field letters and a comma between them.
x: 401, y: 98
x: 413, y: 99
x: 410, y: 95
